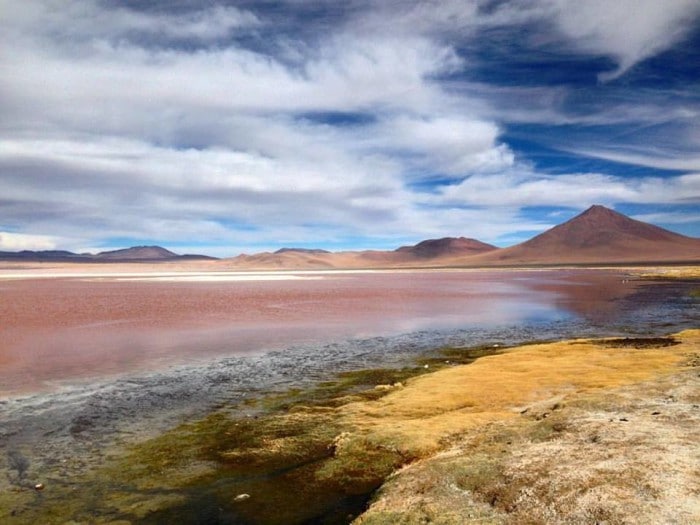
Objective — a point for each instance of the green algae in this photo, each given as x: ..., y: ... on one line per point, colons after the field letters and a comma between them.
x: 288, y: 465
x: 280, y: 459
x: 455, y: 355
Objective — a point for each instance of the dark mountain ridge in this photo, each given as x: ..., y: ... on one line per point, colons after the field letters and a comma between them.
x: 133, y: 254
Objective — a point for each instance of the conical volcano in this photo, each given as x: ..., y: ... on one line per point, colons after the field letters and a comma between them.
x: 600, y: 235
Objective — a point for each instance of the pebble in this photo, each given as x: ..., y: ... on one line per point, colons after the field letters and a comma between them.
x: 241, y: 497
x: 39, y: 486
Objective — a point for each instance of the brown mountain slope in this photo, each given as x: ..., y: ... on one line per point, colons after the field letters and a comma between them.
x: 598, y: 235
x: 305, y: 260
x: 431, y: 252
x: 446, y: 246
x: 282, y: 260
x: 143, y: 253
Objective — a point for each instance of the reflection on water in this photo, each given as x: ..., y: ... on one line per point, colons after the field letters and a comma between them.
x: 61, y: 330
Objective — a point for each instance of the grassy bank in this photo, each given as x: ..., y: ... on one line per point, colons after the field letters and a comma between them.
x: 486, y: 435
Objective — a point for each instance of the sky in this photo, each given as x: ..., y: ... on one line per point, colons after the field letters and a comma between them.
x: 223, y: 127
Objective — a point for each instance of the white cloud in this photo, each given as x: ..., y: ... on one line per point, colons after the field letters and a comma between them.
x: 87, y: 21
x: 627, y: 30
x: 528, y: 189
x: 648, y: 156
x: 450, y: 145
x: 520, y: 189
x: 21, y: 241
x: 668, y: 218
x: 112, y: 85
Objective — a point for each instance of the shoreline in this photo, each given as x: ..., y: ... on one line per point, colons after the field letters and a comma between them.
x: 165, y: 271
x: 379, y: 427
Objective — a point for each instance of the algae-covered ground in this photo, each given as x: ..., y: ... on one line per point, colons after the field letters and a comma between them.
x: 581, y: 431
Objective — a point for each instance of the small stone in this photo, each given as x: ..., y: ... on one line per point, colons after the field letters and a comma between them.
x: 39, y: 486
x: 426, y: 366
x: 241, y: 497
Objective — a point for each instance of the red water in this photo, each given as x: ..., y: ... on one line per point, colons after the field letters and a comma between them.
x: 66, y: 329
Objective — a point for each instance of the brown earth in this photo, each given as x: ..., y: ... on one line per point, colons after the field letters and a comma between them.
x: 608, y: 437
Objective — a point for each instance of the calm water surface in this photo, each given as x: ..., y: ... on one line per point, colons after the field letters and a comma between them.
x: 56, y: 332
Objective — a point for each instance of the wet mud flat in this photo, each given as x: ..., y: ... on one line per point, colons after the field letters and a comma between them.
x: 62, y: 436
x: 78, y: 426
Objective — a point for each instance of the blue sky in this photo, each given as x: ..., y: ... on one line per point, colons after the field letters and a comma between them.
x: 223, y: 127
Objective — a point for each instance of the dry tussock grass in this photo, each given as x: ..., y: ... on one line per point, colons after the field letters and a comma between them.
x: 669, y: 272
x: 607, y: 436
x: 456, y: 400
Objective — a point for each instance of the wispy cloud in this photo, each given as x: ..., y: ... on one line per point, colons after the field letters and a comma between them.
x: 627, y: 30
x: 521, y: 189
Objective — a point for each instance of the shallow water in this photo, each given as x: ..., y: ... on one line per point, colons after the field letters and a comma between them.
x: 86, y: 363
x: 57, y: 332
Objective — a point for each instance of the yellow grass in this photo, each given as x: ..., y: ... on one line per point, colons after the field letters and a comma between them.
x: 669, y: 272
x: 430, y: 408
x: 578, y: 433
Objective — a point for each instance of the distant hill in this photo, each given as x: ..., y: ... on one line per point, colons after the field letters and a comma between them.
x: 598, y: 235
x: 283, y: 259
x: 134, y: 254
x: 141, y: 253
x: 447, y: 246
x: 426, y: 253
x: 312, y: 251
x: 43, y: 255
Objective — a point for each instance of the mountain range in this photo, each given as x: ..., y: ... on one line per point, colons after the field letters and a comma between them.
x: 599, y: 235
x: 133, y: 254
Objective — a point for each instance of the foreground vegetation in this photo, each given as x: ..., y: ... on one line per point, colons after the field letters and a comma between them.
x: 566, y: 432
